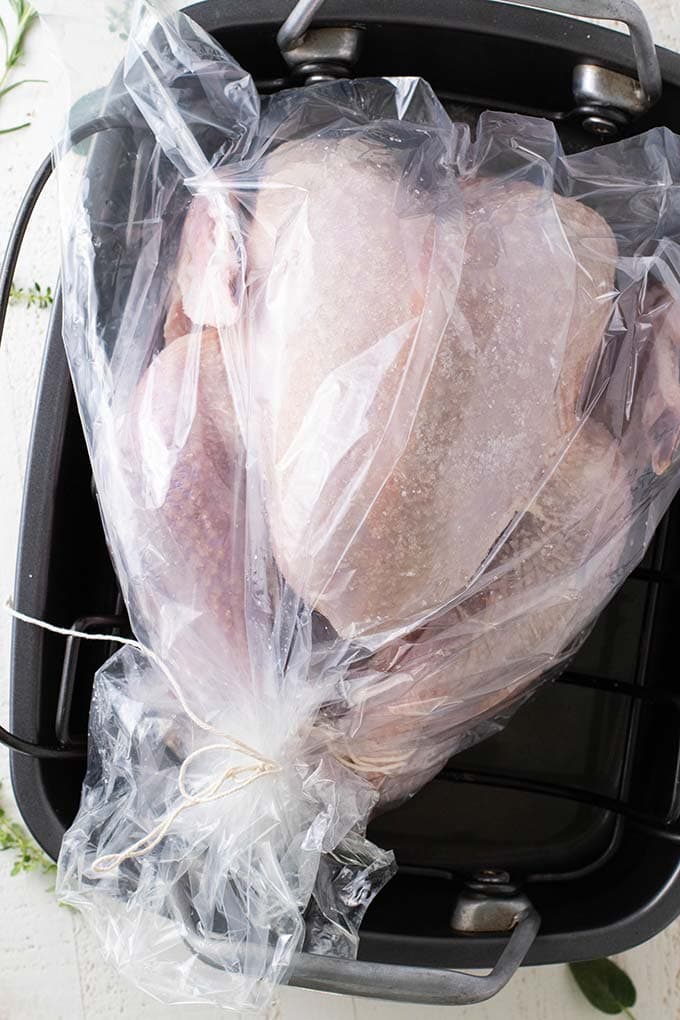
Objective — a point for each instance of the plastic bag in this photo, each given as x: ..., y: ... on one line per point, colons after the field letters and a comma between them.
x: 379, y: 417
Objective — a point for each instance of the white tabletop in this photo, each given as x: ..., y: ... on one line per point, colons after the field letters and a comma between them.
x: 50, y: 966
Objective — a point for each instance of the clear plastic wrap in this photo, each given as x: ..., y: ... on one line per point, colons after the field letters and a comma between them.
x: 380, y: 416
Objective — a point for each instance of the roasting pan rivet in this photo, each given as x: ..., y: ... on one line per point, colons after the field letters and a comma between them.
x: 488, y: 902
x: 492, y: 876
x: 598, y: 125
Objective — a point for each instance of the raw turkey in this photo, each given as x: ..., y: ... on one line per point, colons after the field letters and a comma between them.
x: 185, y: 474
x: 420, y: 373
x: 422, y: 432
x: 207, y: 284
x: 443, y: 685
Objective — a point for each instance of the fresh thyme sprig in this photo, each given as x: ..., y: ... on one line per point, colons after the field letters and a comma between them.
x: 27, y: 855
x: 33, y: 295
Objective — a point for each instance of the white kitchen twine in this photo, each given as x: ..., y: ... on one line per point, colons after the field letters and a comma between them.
x: 212, y: 791
x: 383, y: 764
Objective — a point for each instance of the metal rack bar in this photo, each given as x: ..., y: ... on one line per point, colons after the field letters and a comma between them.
x: 659, y: 826
x: 561, y: 791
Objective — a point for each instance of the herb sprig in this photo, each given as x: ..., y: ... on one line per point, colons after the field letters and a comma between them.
x: 27, y: 855
x: 33, y: 295
x: 119, y: 18
x: 25, y: 16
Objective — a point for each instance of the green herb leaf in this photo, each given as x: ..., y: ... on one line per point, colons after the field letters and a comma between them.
x: 23, y: 9
x: 605, y: 986
x: 34, y: 295
x: 5, y: 39
x: 119, y: 18
x: 17, y: 84
x: 19, y: 127
x: 14, y: 49
x: 28, y: 855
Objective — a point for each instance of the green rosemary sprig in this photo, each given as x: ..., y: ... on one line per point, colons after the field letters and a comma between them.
x: 25, y: 16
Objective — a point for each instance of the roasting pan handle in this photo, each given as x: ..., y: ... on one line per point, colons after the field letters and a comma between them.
x: 7, y: 269
x: 35, y: 188
x: 647, y: 88
x: 433, y: 986
x: 422, y: 985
